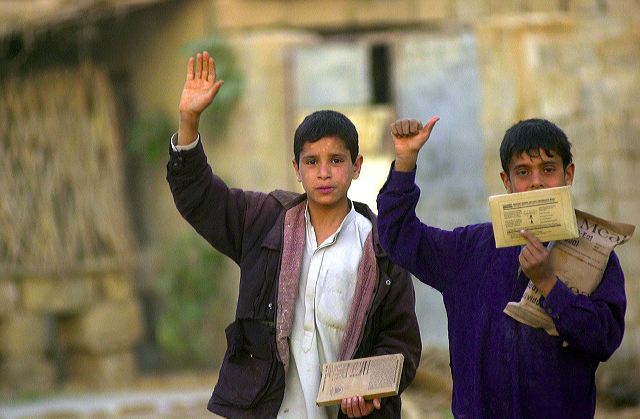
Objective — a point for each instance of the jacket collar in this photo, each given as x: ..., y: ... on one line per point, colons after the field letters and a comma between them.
x: 288, y: 200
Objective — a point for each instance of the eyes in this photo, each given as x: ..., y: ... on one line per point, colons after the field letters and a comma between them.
x: 523, y: 171
x: 335, y: 160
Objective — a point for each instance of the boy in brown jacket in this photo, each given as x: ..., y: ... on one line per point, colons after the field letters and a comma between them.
x: 315, y: 285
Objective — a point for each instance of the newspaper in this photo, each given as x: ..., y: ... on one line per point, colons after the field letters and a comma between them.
x: 373, y: 377
x: 579, y: 263
x: 548, y: 213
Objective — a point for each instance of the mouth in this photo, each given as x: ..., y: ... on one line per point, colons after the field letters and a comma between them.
x: 325, y: 189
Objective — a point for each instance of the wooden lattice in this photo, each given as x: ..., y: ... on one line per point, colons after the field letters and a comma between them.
x: 62, y: 204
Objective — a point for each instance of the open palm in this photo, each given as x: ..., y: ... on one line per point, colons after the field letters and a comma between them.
x: 201, y: 86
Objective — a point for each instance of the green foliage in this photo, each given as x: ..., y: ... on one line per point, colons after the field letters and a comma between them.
x: 149, y: 136
x: 216, y: 117
x: 150, y: 131
x: 187, y: 291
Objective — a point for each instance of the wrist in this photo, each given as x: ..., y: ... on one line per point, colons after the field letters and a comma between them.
x: 546, y: 285
x: 405, y: 163
x: 189, y: 118
x: 188, y: 128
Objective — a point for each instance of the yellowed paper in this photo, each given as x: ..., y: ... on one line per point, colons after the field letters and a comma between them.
x: 548, y: 213
x: 373, y: 377
x: 579, y: 263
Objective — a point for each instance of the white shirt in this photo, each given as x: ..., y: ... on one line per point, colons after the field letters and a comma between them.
x: 327, y: 283
x: 176, y: 147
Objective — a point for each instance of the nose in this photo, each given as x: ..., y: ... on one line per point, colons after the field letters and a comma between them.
x: 324, y: 171
x: 537, y: 180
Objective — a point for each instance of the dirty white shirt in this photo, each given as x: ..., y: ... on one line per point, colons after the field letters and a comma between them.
x: 327, y: 283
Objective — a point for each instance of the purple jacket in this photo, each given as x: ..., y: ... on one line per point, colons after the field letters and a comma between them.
x: 502, y: 368
x: 257, y: 231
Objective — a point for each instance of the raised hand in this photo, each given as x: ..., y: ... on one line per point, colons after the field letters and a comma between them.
x: 198, y: 92
x: 408, y: 138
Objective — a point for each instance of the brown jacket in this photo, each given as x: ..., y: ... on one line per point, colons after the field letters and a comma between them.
x: 262, y: 234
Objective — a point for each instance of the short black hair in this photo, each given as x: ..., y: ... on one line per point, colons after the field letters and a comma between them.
x: 531, y: 135
x: 326, y: 123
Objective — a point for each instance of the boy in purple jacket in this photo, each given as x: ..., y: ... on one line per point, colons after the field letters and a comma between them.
x: 315, y: 286
x: 502, y: 368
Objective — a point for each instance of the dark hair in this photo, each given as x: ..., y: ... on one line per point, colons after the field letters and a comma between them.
x: 531, y: 135
x: 322, y: 124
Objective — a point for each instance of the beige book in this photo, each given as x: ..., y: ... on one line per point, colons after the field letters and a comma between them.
x: 548, y: 213
x: 373, y: 377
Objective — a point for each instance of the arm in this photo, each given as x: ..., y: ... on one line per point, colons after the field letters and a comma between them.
x: 198, y: 93
x: 592, y: 324
x: 424, y: 251
x: 216, y: 212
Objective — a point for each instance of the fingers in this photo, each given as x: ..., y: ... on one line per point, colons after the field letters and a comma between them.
x: 534, y: 255
x: 205, y: 67
x: 411, y: 127
x: 198, y: 73
x: 357, y: 406
x: 190, y: 68
x: 212, y: 69
x: 532, y: 240
x: 526, y: 234
x: 524, y: 258
x: 394, y: 130
x: 377, y: 404
x: 406, y: 127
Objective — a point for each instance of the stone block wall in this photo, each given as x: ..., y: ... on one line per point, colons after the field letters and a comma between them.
x: 79, y: 331
x: 241, y: 15
x: 69, y: 311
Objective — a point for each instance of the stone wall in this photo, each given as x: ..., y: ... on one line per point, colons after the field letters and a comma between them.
x: 69, y: 312
x: 242, y: 15
x: 76, y: 330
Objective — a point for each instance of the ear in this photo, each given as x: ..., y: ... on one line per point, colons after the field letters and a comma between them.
x: 357, y: 166
x: 568, y: 174
x: 296, y: 169
x: 506, y: 181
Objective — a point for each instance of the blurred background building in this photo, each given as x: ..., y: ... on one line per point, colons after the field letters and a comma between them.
x: 100, y: 279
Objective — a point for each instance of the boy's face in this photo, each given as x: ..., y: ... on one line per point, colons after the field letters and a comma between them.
x: 326, y: 171
x: 536, y: 171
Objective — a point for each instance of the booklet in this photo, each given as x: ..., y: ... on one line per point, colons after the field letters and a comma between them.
x: 548, y: 213
x: 372, y: 377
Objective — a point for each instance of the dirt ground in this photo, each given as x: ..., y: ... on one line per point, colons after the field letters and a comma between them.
x: 185, y: 395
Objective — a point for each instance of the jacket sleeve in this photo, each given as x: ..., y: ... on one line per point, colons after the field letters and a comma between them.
x: 216, y: 212
x: 431, y: 254
x: 592, y: 324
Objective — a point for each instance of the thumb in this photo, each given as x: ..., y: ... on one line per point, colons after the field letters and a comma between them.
x: 429, y: 126
x: 215, y: 88
x: 377, y: 404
